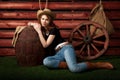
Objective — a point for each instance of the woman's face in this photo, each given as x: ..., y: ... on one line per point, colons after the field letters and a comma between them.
x: 45, y: 20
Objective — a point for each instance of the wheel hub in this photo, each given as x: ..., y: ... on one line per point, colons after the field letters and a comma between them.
x: 87, y: 39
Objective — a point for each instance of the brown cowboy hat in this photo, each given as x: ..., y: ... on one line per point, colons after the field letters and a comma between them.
x: 45, y: 11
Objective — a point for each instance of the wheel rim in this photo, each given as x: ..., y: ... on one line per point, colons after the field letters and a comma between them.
x: 88, y: 42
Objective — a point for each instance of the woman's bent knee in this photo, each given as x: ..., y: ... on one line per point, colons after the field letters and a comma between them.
x: 46, y: 62
x: 50, y: 62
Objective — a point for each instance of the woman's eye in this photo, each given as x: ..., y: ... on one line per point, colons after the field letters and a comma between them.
x: 42, y: 18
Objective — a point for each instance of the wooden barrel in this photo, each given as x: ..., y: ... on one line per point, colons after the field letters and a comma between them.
x: 28, y: 48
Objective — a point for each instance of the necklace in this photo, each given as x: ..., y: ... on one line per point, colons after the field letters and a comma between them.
x: 47, y: 33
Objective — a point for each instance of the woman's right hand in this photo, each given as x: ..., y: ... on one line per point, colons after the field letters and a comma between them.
x: 36, y: 26
x: 32, y: 23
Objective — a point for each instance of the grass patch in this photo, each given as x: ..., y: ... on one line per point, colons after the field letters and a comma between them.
x: 10, y: 70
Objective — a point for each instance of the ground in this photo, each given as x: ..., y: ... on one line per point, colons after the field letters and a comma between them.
x: 10, y: 70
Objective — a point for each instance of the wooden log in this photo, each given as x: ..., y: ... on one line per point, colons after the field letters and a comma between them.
x: 18, y: 15
x: 32, y: 15
x: 65, y: 34
x: 6, y: 34
x: 8, y: 43
x: 110, y: 52
x: 10, y: 24
x: 7, y: 52
x: 11, y: 51
x: 59, y: 5
x: 113, y: 51
x: 59, y: 15
x: 5, y: 43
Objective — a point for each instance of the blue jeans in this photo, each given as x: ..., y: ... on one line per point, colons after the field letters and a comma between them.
x: 67, y: 53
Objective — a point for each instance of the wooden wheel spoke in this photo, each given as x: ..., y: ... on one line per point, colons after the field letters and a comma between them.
x: 98, y: 42
x: 79, y: 43
x: 98, y: 35
x: 88, y: 50
x: 81, y: 38
x: 81, y: 33
x: 82, y: 48
x: 77, y: 35
x: 87, y: 30
x: 77, y: 38
x: 95, y: 48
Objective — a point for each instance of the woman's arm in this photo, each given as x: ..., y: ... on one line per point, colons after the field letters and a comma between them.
x: 45, y: 43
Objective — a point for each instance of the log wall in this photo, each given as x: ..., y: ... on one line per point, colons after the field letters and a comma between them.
x: 69, y: 13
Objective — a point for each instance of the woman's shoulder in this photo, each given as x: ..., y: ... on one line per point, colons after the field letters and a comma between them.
x: 54, y: 30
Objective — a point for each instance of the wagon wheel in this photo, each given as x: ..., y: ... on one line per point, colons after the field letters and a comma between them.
x: 90, y: 40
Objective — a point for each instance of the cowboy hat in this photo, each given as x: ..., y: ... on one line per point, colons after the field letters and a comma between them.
x: 45, y: 11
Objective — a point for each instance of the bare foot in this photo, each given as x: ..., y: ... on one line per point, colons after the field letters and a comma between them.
x: 105, y: 65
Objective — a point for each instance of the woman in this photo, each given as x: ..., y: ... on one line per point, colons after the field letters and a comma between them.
x: 65, y: 55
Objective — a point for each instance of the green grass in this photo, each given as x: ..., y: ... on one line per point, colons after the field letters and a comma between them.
x: 10, y: 70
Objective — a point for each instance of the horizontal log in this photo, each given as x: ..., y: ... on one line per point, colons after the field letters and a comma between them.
x: 18, y: 15
x: 6, y: 34
x: 7, y: 51
x: 59, y: 5
x: 9, y: 24
x: 65, y: 34
x: 113, y: 51
x: 32, y: 15
x: 11, y: 51
x: 59, y: 15
x: 8, y: 43
x: 110, y: 51
x: 14, y: 23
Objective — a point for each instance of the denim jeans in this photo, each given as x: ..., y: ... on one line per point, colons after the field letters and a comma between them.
x: 66, y: 53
